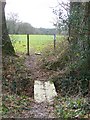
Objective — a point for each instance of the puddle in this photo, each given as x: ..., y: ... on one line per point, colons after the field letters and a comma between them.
x: 44, y: 91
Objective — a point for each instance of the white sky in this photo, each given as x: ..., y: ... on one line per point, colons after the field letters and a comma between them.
x: 36, y: 12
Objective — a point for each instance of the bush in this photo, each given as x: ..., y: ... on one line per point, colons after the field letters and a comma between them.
x: 72, y: 62
x: 71, y: 86
x: 58, y: 58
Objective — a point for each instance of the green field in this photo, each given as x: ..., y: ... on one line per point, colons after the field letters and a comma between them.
x: 37, y: 42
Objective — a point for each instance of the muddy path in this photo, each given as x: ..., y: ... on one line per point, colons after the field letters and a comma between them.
x: 43, y: 109
x: 37, y: 72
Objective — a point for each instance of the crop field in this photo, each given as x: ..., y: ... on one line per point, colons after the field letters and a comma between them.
x: 37, y: 42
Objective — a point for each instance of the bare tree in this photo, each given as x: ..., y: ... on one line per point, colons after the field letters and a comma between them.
x: 12, y: 21
x: 61, y: 12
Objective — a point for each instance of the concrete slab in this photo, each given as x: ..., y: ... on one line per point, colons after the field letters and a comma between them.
x: 44, y: 91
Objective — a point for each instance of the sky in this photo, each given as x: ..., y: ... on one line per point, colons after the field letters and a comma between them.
x: 36, y: 12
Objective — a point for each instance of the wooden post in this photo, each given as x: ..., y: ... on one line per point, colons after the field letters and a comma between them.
x: 54, y: 41
x: 27, y: 44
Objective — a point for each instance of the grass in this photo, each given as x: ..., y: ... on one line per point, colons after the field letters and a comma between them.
x: 37, y: 42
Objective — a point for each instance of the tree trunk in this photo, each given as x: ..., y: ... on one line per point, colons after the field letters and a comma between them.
x: 7, y: 47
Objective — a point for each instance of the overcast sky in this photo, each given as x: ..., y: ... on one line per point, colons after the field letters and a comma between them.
x: 36, y: 12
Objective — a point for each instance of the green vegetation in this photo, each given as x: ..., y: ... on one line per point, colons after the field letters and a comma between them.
x: 72, y: 107
x: 68, y: 66
x: 13, y: 105
x: 72, y: 88
x: 37, y: 42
